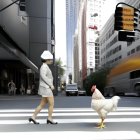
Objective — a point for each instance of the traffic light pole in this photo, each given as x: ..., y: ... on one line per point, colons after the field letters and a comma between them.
x: 8, y: 5
x: 127, y: 5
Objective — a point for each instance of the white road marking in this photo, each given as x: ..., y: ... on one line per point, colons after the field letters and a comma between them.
x: 72, y: 135
x: 67, y: 114
x: 9, y: 116
x: 68, y: 109
x: 12, y: 114
x: 74, y: 120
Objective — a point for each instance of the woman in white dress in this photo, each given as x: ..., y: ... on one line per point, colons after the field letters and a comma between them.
x: 45, y: 88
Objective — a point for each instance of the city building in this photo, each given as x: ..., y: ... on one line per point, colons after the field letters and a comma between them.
x: 26, y: 30
x: 94, y: 8
x: 113, y: 51
x: 72, y: 10
x: 79, y: 39
x: 87, y: 31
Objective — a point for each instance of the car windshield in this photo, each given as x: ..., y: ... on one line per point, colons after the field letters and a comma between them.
x: 71, y: 87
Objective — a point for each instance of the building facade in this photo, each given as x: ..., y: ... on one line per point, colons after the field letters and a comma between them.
x: 26, y: 30
x: 88, y: 26
x: 113, y: 51
x: 94, y: 24
x: 72, y: 10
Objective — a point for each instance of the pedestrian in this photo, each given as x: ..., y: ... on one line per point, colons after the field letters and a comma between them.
x: 22, y: 89
x: 46, y: 88
x: 33, y: 91
x: 11, y: 88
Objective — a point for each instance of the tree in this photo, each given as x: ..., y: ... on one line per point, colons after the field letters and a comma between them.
x: 61, y: 70
x: 99, y: 78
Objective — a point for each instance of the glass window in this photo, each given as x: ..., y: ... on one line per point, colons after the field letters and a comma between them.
x: 135, y: 74
x: 132, y: 51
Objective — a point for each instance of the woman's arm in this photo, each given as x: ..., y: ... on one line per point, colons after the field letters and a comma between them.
x: 43, y: 75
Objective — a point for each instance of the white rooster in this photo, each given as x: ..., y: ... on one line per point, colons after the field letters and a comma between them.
x: 101, y: 105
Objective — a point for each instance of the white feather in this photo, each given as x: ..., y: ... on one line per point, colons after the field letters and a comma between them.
x: 104, y: 106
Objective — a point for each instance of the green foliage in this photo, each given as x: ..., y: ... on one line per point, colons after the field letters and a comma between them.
x: 61, y: 70
x: 99, y: 78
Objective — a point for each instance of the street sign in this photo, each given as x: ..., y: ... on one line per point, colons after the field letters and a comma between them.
x: 126, y: 36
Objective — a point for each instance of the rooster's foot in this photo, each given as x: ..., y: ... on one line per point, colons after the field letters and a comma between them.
x: 98, y: 124
x: 101, y: 126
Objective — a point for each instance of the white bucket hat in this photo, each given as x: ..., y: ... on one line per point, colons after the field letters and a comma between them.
x: 46, y: 55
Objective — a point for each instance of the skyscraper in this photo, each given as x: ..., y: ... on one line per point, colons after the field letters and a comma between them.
x: 72, y: 9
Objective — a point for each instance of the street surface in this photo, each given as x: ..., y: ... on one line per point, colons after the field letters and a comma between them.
x: 76, y: 120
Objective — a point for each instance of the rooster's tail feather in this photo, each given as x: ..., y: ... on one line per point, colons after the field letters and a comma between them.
x: 115, y: 102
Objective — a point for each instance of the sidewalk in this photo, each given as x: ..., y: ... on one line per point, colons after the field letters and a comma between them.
x: 12, y: 97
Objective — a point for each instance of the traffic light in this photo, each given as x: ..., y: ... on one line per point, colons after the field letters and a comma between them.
x: 126, y: 36
x: 126, y: 18
x: 22, y: 5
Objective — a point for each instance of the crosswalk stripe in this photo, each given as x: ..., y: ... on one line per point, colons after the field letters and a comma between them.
x: 73, y: 135
x: 68, y: 109
x: 120, y: 116
x: 68, y: 114
x: 43, y: 121
x: 20, y: 116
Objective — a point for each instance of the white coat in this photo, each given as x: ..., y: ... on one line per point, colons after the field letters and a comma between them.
x: 45, y: 81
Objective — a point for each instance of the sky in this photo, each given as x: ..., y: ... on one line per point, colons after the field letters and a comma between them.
x: 60, y: 30
x: 108, y: 10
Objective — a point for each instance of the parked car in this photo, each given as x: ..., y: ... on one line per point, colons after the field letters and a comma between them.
x: 82, y: 93
x: 71, y: 89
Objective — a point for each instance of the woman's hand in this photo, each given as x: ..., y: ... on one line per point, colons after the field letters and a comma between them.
x: 52, y: 87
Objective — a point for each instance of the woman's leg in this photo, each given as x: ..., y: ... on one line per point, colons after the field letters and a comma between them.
x: 50, y: 107
x: 42, y: 104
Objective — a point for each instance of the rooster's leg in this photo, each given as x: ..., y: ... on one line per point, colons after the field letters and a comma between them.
x: 98, y: 124
x: 101, y: 125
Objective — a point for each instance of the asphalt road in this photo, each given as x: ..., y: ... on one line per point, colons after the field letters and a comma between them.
x: 76, y: 120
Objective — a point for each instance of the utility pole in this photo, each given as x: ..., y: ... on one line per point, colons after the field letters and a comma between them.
x: 8, y: 5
